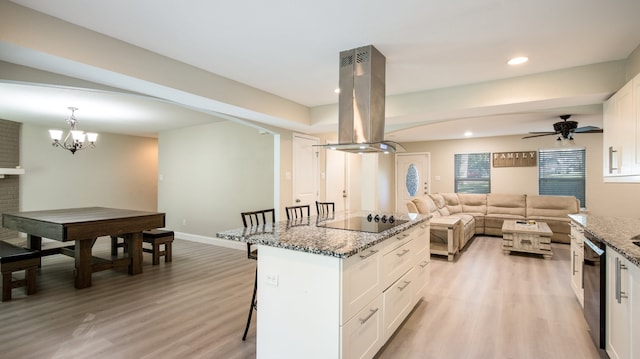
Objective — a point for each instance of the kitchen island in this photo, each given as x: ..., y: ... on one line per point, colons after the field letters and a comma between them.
x: 619, y: 288
x: 333, y: 293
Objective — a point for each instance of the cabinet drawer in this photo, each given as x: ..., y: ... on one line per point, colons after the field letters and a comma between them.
x: 421, y: 236
x: 396, y: 262
x: 360, y: 281
x: 400, y: 239
x: 423, y: 273
x: 397, y: 302
x: 361, y: 337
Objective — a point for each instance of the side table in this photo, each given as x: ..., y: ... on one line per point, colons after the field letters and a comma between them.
x: 449, y: 228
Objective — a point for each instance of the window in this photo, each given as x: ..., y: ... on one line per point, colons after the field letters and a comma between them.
x: 473, y: 173
x: 561, y: 172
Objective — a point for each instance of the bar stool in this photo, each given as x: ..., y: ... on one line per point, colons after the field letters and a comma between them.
x: 325, y: 209
x: 255, y: 219
x: 296, y: 212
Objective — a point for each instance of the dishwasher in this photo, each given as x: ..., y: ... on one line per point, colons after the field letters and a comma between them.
x: 594, y: 272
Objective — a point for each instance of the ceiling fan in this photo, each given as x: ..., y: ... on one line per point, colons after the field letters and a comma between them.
x: 565, y: 129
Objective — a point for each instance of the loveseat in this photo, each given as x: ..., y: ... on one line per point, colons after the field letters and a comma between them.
x: 485, y: 214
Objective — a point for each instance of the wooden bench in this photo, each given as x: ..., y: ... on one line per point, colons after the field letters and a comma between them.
x: 14, y: 259
x: 155, y: 237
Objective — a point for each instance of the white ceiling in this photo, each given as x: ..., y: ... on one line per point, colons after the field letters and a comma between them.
x: 290, y: 48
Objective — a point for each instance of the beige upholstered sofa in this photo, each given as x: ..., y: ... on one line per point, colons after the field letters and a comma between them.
x: 485, y: 214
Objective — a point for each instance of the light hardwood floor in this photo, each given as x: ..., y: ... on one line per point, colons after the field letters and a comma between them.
x: 483, y: 305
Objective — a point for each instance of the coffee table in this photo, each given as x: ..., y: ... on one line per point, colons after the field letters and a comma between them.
x: 529, y: 237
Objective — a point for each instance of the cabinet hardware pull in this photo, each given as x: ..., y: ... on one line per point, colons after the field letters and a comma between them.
x: 573, y: 263
x: 622, y: 294
x: 619, y: 293
x: 406, y: 284
x: 424, y: 264
x: 403, y: 252
x: 611, y: 152
x: 371, y: 252
x: 617, y: 283
x: 371, y: 313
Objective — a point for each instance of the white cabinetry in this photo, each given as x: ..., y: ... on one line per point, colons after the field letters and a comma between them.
x: 618, y: 306
x: 634, y: 299
x: 621, y: 136
x: 423, y: 256
x: 362, y: 335
x: 316, y: 306
x: 577, y: 261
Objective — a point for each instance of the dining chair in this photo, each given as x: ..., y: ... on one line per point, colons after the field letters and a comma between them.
x: 325, y: 209
x: 297, y: 212
x: 254, y: 219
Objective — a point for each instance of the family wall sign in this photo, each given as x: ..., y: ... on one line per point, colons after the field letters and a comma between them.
x: 515, y: 159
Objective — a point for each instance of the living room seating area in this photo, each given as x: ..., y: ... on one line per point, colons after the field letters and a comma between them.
x: 485, y: 214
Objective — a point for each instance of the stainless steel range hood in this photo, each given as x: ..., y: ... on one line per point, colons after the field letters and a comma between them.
x: 361, y: 103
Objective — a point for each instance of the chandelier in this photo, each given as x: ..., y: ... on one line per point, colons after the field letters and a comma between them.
x: 75, y: 139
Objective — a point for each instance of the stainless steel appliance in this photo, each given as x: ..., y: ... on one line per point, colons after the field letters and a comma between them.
x: 594, y: 272
x: 361, y: 103
x: 373, y: 223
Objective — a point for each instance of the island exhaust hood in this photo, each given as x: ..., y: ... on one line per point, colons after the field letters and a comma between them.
x: 361, y: 103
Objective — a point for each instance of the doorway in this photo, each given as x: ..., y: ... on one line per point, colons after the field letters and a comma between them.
x: 412, y: 178
x: 306, y: 165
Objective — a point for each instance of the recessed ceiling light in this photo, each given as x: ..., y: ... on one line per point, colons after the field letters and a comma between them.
x: 337, y: 90
x: 468, y: 134
x: 518, y: 60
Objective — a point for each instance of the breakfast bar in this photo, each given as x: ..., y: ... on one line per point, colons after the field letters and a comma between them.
x: 336, y: 288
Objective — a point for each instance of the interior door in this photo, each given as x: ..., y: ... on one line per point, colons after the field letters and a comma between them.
x: 305, y: 170
x: 412, y: 178
x: 337, y: 179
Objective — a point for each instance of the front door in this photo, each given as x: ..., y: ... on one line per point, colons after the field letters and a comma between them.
x: 412, y: 178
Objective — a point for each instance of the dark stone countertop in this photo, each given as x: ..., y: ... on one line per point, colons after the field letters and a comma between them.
x: 616, y: 232
x: 308, y: 235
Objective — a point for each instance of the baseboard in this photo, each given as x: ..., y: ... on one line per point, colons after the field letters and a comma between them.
x: 211, y: 240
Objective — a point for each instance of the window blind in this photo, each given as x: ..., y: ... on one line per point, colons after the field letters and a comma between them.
x: 473, y: 173
x: 561, y: 172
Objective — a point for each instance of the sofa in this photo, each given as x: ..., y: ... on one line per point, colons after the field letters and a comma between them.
x: 485, y: 214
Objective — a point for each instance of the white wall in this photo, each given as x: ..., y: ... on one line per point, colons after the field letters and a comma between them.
x: 605, y: 199
x: 211, y: 173
x: 120, y: 172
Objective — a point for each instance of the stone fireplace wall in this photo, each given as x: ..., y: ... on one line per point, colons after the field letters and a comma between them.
x: 10, y: 184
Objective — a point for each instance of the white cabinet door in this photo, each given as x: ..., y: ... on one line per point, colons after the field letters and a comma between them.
x: 636, y: 116
x: 398, y: 261
x: 397, y: 302
x: 423, y: 274
x: 634, y: 298
x: 621, y: 136
x: 361, y: 281
x: 362, y: 336
x: 577, y: 261
x: 618, y: 326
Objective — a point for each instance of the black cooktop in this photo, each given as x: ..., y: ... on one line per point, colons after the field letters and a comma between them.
x: 370, y: 224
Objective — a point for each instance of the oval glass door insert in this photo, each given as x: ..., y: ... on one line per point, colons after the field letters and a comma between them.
x: 411, y: 180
